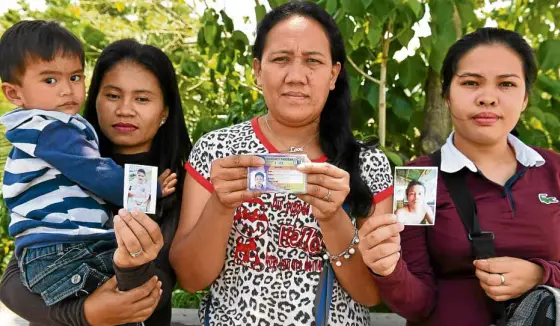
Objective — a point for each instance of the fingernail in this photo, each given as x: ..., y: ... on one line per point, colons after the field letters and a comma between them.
x: 160, y: 291
x: 159, y: 284
x: 116, y: 219
x: 156, y: 278
x: 301, y: 166
x: 401, y: 226
x: 122, y: 211
x: 135, y: 212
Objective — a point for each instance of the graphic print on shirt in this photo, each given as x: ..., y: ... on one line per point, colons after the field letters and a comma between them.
x: 250, y: 222
x: 279, y: 232
x: 305, y: 237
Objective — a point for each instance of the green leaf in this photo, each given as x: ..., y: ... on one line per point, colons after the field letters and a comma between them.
x: 240, y: 40
x: 405, y: 36
x: 466, y: 12
x: 228, y: 23
x: 366, y: 3
x: 548, y: 85
x: 374, y: 35
x: 551, y: 121
x: 373, y: 95
x: 394, y: 158
x: 412, y: 71
x: 210, y: 33
x: 549, y: 54
x: 332, y: 5
x: 190, y: 69
x: 437, y: 55
x: 416, y: 7
x: 260, y: 12
x: 353, y: 7
x: 382, y: 9
x: 401, y: 106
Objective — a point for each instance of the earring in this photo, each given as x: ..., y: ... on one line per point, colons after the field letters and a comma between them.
x: 162, y: 122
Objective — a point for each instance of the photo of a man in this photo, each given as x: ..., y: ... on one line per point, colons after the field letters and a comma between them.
x: 415, y: 195
x: 259, y: 181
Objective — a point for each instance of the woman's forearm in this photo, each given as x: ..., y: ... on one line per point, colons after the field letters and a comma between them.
x: 198, y: 257
x: 353, y: 275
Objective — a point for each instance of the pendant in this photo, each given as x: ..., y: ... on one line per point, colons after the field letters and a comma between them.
x: 294, y: 149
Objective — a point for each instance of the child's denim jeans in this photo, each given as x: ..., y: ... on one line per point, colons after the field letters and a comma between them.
x: 63, y: 270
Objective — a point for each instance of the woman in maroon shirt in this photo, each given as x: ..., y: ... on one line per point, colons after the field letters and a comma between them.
x: 427, y: 274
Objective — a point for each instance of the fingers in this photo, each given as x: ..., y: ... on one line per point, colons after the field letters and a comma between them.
x: 231, y: 186
x: 149, y: 225
x: 230, y: 174
x: 163, y: 176
x: 494, y: 265
x: 489, y: 279
x: 110, y: 283
x: 127, y: 237
x: 239, y: 196
x: 375, y: 222
x: 385, y: 266
x: 383, y: 250
x: 143, y: 290
x: 325, y: 181
x: 323, y: 168
x: 235, y: 161
x: 150, y: 301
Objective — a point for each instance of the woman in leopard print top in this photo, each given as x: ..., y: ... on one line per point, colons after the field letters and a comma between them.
x: 262, y: 253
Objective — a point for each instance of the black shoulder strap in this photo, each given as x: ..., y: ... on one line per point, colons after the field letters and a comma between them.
x: 482, y: 241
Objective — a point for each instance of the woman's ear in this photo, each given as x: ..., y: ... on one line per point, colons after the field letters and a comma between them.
x: 13, y: 94
x: 525, y: 102
x: 164, y: 116
x: 334, y: 74
x: 257, y: 69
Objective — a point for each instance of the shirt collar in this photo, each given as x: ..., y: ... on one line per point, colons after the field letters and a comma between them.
x: 452, y: 160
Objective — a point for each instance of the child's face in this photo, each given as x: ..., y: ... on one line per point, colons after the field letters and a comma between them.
x: 56, y: 85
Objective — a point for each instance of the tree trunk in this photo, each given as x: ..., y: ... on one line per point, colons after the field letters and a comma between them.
x: 382, y: 85
x: 437, y: 121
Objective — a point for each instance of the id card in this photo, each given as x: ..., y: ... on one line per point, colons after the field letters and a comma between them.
x: 279, y: 174
x: 140, y: 187
x: 414, y: 200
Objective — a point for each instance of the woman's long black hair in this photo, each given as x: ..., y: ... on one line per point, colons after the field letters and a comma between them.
x: 335, y: 131
x: 171, y: 145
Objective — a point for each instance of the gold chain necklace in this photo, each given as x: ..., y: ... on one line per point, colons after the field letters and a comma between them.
x: 291, y: 149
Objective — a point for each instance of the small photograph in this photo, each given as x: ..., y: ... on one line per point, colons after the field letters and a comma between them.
x: 258, y: 179
x: 278, y: 174
x: 140, y: 187
x: 414, y: 200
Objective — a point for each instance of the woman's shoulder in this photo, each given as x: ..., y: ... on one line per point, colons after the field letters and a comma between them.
x: 372, y: 154
x: 227, y: 133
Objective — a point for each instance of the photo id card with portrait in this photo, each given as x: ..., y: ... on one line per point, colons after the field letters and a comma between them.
x: 414, y: 199
x: 279, y: 174
x: 140, y: 187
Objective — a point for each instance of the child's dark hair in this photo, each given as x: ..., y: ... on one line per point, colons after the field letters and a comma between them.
x: 259, y: 174
x: 141, y: 171
x: 488, y: 36
x: 35, y: 40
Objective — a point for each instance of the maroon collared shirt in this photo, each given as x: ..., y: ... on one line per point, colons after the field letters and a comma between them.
x: 434, y: 282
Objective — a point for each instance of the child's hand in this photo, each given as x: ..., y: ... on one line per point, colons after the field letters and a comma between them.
x: 167, y: 180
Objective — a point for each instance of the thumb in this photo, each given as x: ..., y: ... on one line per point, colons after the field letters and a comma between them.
x: 111, y: 284
x: 164, y: 175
